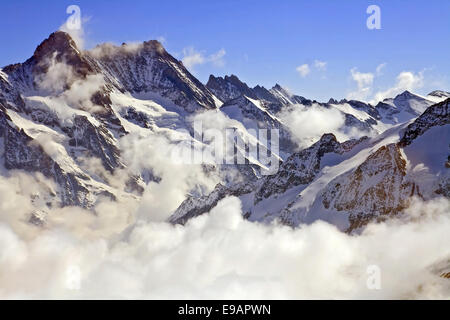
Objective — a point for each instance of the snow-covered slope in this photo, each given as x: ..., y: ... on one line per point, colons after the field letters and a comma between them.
x: 64, y: 108
x: 438, y: 96
x: 403, y: 107
x: 72, y: 118
x: 352, y: 183
x: 148, y: 68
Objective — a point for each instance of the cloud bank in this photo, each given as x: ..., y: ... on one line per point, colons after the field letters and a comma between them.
x: 221, y: 256
x: 308, y: 123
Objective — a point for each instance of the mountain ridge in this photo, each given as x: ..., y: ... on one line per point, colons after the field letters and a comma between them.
x: 63, y: 107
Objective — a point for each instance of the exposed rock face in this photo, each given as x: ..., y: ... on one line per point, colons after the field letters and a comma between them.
x: 436, y: 115
x: 60, y: 47
x: 381, y: 186
x: 9, y: 95
x: 98, y: 140
x: 302, y: 167
x: 193, y: 207
x: 376, y: 187
x: 148, y: 68
x: 57, y: 48
x: 229, y: 87
x: 373, y: 189
x: 139, y: 118
x: 287, y: 98
x: 255, y: 114
x: 143, y: 69
x: 22, y: 152
x: 82, y: 129
x: 369, y: 109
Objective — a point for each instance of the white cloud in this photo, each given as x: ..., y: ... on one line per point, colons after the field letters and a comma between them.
x: 76, y: 30
x: 192, y: 57
x: 308, y: 123
x: 220, y: 255
x: 379, y: 69
x: 364, y: 83
x: 406, y: 80
x: 161, y: 39
x: 303, y: 70
x: 320, y: 65
x: 217, y: 58
x: 153, y: 152
x: 62, y: 86
x: 57, y: 77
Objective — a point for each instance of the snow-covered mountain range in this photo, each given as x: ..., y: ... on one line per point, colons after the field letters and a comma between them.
x: 71, y: 118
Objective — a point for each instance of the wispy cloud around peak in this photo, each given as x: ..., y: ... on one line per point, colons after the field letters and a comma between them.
x: 192, y: 58
x: 406, y: 80
x: 364, y: 83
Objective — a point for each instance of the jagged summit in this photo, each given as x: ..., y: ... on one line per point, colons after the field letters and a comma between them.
x: 229, y: 87
x: 402, y: 107
x: 287, y: 98
x: 279, y: 88
x: 111, y: 50
x: 137, y: 68
x: 140, y: 90
x: 60, y: 47
x: 59, y: 42
x: 440, y: 93
x: 148, y: 67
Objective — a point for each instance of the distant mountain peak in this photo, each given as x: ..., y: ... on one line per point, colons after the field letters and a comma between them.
x: 229, y: 87
x: 277, y: 87
x: 439, y: 93
x: 333, y: 101
x: 407, y: 94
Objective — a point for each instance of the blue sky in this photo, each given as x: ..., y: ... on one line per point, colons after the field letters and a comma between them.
x: 264, y: 41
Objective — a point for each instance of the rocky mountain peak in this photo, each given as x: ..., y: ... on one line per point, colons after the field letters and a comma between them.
x: 277, y: 87
x: 229, y: 87
x: 436, y: 115
x: 59, y: 42
x: 60, y: 47
x: 234, y: 79
x: 440, y: 94
x: 327, y: 138
x: 333, y: 101
x: 154, y: 45
x: 374, y: 189
x: 287, y: 98
x: 406, y: 93
x: 148, y: 67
